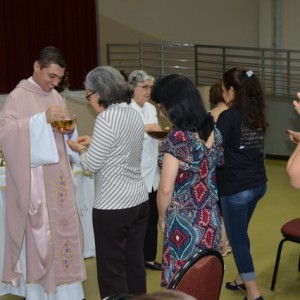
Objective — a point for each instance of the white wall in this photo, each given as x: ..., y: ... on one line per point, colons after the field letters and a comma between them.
x: 230, y: 22
x: 216, y: 22
x: 290, y: 24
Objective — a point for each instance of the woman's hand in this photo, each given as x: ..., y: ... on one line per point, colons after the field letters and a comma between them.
x: 297, y: 103
x: 76, y: 146
x: 293, y: 136
x: 84, y: 140
x: 152, y: 127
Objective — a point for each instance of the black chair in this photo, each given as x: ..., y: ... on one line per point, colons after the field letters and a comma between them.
x: 201, y: 276
x: 291, y: 232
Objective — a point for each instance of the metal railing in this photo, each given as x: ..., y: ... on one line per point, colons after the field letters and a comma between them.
x: 157, y: 59
x: 278, y: 69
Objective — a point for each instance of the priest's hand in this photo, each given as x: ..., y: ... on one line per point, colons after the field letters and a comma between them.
x: 70, y: 129
x: 56, y: 113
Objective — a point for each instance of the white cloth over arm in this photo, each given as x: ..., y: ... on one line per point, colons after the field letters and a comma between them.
x: 43, y: 149
x: 85, y: 199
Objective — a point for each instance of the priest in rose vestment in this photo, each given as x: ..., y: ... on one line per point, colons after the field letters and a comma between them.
x: 43, y: 235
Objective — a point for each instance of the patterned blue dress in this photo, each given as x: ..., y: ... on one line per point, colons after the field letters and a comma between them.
x: 192, y: 219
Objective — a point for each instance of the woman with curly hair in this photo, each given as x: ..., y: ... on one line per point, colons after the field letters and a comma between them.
x: 242, y: 179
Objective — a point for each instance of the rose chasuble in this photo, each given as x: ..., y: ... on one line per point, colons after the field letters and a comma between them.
x: 40, y: 196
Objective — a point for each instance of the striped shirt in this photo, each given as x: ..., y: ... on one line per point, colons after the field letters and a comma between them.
x: 114, y: 155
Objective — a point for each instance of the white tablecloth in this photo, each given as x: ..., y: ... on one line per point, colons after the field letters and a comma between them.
x: 84, y: 198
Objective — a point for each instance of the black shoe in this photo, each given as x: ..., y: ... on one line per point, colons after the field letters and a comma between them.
x: 234, y: 286
x: 156, y: 266
x: 258, y: 298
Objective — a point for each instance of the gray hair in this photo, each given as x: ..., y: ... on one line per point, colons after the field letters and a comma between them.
x: 138, y: 76
x: 110, y: 85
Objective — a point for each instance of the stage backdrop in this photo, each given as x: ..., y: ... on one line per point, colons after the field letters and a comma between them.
x: 28, y: 26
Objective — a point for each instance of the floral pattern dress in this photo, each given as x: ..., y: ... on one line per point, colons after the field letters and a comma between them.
x: 192, y: 219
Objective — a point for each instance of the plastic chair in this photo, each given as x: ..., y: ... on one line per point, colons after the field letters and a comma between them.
x: 291, y: 232
x: 201, y: 276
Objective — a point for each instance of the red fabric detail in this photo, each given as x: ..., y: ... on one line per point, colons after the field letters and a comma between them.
x: 28, y: 26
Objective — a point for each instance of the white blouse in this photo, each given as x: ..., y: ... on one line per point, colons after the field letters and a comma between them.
x: 150, y: 169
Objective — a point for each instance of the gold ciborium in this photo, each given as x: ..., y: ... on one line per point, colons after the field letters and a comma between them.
x: 62, y: 125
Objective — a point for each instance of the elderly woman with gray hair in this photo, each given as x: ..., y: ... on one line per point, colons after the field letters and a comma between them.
x: 121, y: 208
x: 141, y: 84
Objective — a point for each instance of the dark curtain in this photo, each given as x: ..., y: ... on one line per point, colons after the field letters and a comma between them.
x: 28, y: 26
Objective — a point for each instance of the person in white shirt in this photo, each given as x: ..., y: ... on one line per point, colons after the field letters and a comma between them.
x: 141, y: 84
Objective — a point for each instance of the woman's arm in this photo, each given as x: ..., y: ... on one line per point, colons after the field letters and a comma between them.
x: 166, y: 186
x: 293, y: 164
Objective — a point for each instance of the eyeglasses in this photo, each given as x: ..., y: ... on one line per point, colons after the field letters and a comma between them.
x: 87, y: 97
x: 145, y: 87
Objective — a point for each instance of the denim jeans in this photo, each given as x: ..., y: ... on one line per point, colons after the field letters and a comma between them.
x: 237, y: 211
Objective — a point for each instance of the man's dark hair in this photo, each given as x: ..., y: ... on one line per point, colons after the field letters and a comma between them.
x: 51, y: 55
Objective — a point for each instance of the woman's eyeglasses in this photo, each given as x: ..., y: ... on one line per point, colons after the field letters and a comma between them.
x: 87, y: 97
x: 145, y: 87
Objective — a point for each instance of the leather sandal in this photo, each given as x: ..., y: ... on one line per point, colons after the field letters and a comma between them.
x: 234, y: 286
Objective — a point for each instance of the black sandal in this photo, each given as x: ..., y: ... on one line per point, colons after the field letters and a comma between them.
x: 234, y: 286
